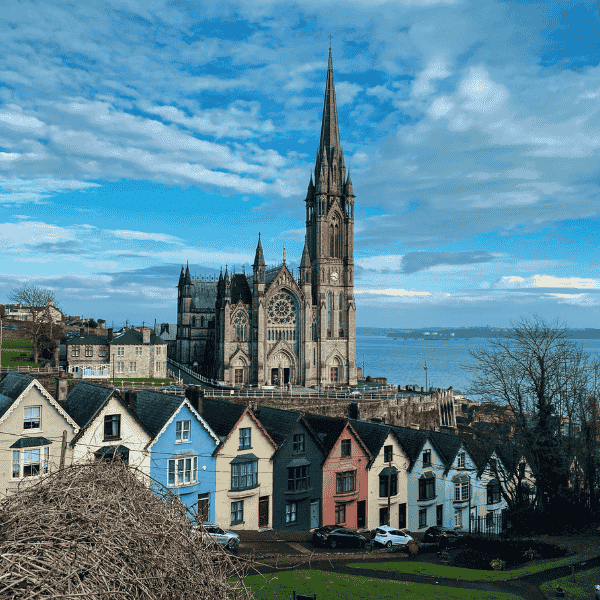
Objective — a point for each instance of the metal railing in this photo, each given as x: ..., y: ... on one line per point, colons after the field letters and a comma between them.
x: 32, y: 370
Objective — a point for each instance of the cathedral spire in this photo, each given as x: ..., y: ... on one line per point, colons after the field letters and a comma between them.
x: 330, y: 134
x: 188, y: 278
x: 259, y: 259
x: 181, y: 277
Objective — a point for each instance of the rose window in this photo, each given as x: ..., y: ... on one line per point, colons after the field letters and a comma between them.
x: 281, y: 309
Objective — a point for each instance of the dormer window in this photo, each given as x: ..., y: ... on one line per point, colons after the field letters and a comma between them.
x: 32, y: 417
x: 426, y: 458
x: 460, y: 460
x: 346, y: 448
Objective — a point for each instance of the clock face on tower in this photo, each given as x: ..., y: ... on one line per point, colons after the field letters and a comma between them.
x: 334, y: 276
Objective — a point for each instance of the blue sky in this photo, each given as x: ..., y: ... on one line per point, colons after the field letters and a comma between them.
x: 137, y: 136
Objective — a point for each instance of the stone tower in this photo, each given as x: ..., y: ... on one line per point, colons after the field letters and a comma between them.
x: 329, y: 240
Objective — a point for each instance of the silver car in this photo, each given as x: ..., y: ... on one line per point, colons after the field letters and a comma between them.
x: 229, y: 539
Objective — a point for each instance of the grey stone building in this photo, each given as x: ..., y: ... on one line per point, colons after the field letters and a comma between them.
x: 272, y: 327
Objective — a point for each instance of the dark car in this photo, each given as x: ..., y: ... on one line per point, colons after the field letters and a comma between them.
x: 337, y: 537
x: 432, y: 535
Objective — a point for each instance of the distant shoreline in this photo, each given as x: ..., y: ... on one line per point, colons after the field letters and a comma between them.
x: 448, y: 334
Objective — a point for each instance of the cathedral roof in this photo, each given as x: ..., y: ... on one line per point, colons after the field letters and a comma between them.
x: 204, y: 294
x: 240, y: 290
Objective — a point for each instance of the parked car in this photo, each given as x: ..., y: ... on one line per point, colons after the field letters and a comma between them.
x: 173, y: 388
x: 388, y: 536
x: 597, y: 593
x: 229, y: 539
x: 433, y: 535
x: 337, y: 537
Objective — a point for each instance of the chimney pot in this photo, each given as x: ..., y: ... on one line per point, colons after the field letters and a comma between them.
x: 81, y: 332
x: 110, y: 334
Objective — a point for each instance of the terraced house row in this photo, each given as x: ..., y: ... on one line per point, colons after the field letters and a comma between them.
x: 256, y: 468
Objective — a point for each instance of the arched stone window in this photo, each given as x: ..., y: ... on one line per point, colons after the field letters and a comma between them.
x: 329, y: 314
x: 241, y: 328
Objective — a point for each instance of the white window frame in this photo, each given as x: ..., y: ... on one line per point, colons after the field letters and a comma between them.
x: 458, y: 517
x: 291, y: 512
x: 31, y: 419
x: 183, y: 431
x: 132, y: 366
x: 460, y: 460
x: 461, y: 491
x: 19, y: 462
x: 237, y: 509
x: 243, y: 438
x: 182, y: 471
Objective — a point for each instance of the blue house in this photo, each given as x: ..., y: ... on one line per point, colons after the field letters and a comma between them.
x: 180, y: 449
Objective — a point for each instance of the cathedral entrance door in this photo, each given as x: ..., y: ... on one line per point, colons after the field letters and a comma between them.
x: 274, y: 376
x: 286, y: 376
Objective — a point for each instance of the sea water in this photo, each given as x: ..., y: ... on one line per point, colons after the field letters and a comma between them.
x: 448, y: 362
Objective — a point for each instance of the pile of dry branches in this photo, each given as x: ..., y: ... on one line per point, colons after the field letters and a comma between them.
x: 96, y: 531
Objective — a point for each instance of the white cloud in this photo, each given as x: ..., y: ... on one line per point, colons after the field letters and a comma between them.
x: 15, y: 235
x: 21, y: 191
x: 437, y: 68
x: 393, y: 292
x: 383, y: 262
x: 546, y: 281
x: 345, y: 92
x: 146, y: 236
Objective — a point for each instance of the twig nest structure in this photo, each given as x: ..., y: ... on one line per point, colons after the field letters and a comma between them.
x: 99, y: 531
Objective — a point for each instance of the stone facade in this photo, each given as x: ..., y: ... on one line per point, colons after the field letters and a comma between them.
x: 138, y: 354
x: 88, y: 356
x: 272, y: 327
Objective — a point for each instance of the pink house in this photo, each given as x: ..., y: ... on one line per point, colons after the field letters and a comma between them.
x: 345, y: 480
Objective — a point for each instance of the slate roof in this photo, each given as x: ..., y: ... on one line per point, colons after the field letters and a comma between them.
x: 411, y: 440
x: 135, y: 338
x: 11, y: 387
x: 221, y: 416
x: 328, y: 429
x: 479, y: 452
x: 154, y: 409
x: 14, y: 384
x: 278, y: 423
x: 204, y: 295
x: 89, y: 340
x: 85, y: 399
x: 240, y: 290
x: 372, y: 434
x: 447, y: 446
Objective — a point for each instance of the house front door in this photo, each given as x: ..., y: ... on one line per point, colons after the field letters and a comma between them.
x: 202, y: 513
x: 314, y: 514
x: 263, y: 511
x: 402, y: 516
x: 361, y: 513
x: 439, y: 513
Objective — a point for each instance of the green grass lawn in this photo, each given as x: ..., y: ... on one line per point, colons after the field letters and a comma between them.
x: 331, y: 586
x: 424, y: 568
x: 6, y: 359
x: 16, y: 342
x: 582, y: 589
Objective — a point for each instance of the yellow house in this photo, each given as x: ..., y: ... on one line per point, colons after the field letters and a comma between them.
x: 244, y: 469
x: 32, y: 423
x: 109, y: 426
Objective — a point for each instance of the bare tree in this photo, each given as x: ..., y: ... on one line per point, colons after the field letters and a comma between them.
x: 541, y: 378
x: 39, y: 302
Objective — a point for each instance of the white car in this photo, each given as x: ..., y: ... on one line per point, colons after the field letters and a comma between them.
x: 597, y: 593
x: 229, y: 539
x: 391, y: 536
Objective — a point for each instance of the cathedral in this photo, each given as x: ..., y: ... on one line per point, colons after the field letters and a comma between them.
x: 274, y: 328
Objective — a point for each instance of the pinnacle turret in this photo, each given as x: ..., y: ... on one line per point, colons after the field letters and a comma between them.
x: 181, y: 277
x: 305, y: 262
x: 349, y: 190
x: 188, y: 278
x: 259, y: 259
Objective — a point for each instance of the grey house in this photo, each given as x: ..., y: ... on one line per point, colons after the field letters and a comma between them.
x: 297, y: 469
